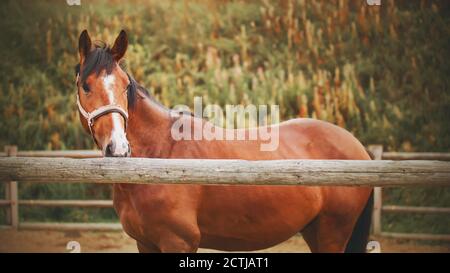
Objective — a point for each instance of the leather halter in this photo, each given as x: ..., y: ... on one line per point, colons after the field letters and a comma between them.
x: 103, y: 110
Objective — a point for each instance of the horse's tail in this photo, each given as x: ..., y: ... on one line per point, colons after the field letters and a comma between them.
x: 360, y: 235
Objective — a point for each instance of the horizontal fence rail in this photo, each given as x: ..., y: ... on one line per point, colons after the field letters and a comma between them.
x: 97, y: 154
x: 427, y: 210
x: 417, y: 236
x: 5, y: 203
x: 102, y: 170
x: 72, y: 226
x: 415, y: 156
x: 68, y: 203
x: 233, y: 172
x: 63, y: 153
x: 62, y: 203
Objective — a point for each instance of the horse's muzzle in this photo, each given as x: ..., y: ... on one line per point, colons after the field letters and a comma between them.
x: 114, y: 149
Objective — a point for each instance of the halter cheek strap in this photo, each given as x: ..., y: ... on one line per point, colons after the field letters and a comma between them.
x: 103, y: 110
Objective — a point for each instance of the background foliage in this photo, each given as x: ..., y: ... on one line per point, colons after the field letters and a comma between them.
x: 381, y: 72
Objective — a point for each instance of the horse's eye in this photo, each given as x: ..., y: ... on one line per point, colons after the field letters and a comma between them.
x: 86, y: 87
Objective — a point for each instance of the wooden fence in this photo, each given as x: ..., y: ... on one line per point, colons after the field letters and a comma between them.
x: 377, y: 151
x: 426, y: 171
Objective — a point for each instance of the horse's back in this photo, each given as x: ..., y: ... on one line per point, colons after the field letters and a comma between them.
x: 293, y: 139
x: 315, y: 139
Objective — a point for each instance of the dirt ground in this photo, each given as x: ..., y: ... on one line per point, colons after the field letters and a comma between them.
x: 94, y: 241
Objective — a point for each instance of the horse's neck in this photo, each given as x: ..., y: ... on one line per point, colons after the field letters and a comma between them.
x: 149, y: 133
x: 149, y: 129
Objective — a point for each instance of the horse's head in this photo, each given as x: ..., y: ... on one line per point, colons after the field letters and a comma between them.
x: 102, y: 94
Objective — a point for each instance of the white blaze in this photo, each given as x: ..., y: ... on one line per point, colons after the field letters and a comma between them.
x: 108, y: 84
x: 118, y: 136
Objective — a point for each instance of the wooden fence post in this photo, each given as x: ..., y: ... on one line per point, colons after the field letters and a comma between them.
x: 377, y: 151
x: 11, y: 194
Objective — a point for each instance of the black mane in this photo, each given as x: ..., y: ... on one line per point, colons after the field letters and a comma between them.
x: 101, y: 59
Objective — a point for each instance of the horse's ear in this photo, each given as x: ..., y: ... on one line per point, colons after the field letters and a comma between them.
x: 84, y: 44
x: 120, y: 46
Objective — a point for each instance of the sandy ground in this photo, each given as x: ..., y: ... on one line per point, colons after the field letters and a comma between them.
x: 94, y: 241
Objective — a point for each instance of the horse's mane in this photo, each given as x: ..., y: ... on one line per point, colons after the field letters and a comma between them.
x: 97, y: 60
x: 101, y: 58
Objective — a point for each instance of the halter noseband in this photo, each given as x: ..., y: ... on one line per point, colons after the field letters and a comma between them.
x: 103, y: 110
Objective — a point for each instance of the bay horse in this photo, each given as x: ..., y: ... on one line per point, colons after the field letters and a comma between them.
x: 124, y: 120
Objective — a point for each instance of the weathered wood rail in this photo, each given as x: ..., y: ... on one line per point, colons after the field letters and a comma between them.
x: 383, y: 173
x: 63, y: 153
x: 415, y: 156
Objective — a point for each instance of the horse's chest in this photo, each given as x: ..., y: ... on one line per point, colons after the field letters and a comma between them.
x: 143, y: 209
x: 128, y: 216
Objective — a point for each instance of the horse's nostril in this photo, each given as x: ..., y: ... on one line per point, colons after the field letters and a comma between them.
x: 109, y: 149
x: 114, y: 149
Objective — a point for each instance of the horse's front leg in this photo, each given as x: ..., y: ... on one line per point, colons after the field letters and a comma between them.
x: 168, y: 217
x: 176, y: 232
x: 186, y: 243
x: 147, y: 248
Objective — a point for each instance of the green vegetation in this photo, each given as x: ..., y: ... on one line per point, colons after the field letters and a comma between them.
x: 382, y: 73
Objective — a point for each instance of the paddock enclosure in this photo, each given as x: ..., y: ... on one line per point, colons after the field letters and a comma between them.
x: 85, y: 166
